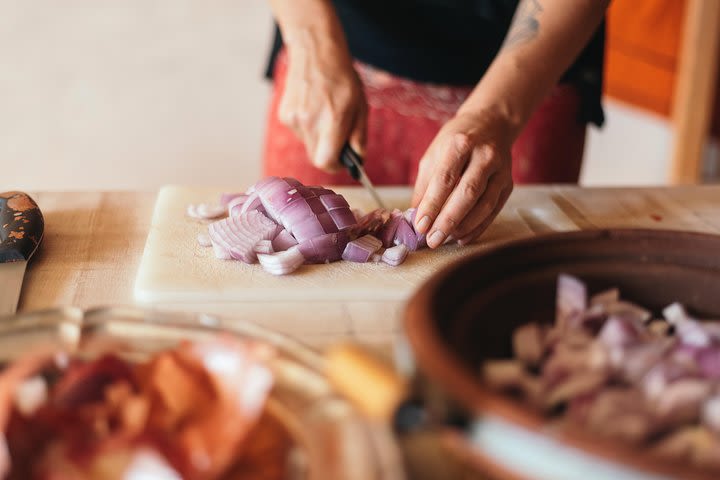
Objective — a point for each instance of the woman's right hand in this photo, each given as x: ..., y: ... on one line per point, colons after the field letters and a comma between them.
x: 324, y: 103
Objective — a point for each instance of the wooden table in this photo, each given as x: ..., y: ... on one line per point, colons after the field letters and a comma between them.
x: 94, y: 241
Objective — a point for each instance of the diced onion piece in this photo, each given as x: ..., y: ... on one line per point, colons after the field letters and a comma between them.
x: 283, y: 241
x: 387, y: 233
x: 324, y: 249
x: 361, y: 249
x: 205, y: 211
x: 264, y: 247
x: 204, y: 240
x: 396, y: 255
x: 282, y: 263
x: 571, y: 299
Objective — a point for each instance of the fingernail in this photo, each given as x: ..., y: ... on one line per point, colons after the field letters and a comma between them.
x: 423, y: 224
x: 436, y: 239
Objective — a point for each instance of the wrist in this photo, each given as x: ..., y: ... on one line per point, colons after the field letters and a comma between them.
x: 493, y: 117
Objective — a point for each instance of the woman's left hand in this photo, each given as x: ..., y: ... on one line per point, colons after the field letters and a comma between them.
x: 464, y: 178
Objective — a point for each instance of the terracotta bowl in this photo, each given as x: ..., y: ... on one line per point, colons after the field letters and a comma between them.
x: 467, y: 312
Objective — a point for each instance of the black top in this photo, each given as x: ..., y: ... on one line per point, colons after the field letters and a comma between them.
x: 449, y: 42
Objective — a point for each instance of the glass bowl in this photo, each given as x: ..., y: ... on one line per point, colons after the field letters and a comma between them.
x: 330, y: 438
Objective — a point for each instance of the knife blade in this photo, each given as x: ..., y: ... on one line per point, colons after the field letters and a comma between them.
x: 352, y: 160
x: 21, y: 231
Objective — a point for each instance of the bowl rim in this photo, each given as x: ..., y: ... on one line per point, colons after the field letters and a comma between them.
x: 442, y: 367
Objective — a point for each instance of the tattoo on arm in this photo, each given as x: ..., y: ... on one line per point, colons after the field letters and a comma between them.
x: 525, y: 25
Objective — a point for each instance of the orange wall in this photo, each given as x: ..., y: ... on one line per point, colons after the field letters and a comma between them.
x: 643, y: 41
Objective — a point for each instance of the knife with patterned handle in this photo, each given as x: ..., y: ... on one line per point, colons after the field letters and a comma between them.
x: 21, y: 231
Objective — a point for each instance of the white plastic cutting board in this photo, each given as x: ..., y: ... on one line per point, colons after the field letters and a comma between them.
x: 176, y: 270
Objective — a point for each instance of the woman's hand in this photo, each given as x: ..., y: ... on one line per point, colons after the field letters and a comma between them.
x: 324, y: 103
x: 464, y: 179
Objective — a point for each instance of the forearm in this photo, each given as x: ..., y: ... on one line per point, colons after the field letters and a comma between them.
x: 310, y: 26
x: 544, y: 39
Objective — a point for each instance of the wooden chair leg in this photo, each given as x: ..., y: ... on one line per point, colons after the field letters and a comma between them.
x: 693, y: 99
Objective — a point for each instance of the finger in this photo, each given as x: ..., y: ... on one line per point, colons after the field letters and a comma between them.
x: 332, y: 134
x: 358, y: 133
x: 480, y: 229
x: 484, y: 206
x: 422, y: 180
x: 468, y: 193
x: 444, y: 178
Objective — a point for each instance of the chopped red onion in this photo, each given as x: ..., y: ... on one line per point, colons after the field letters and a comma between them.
x: 264, y: 246
x: 283, y: 241
x: 571, y: 299
x: 282, y: 263
x: 325, y: 248
x: 333, y: 201
x: 361, y: 249
x: 204, y: 240
x: 405, y: 235
x: 396, y: 255
x: 239, y: 235
x: 226, y: 198
x: 387, y: 233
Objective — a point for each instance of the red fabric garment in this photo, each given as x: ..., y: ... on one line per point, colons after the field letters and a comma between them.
x: 404, y: 117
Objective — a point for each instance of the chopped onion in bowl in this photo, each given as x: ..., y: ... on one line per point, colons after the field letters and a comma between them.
x: 608, y: 366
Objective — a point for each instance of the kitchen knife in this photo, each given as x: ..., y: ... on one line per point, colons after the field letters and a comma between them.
x: 350, y: 159
x: 21, y: 231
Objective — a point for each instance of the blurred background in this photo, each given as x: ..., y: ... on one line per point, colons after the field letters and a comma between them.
x: 134, y: 94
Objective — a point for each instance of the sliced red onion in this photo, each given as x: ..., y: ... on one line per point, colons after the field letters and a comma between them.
x: 396, y: 255
x: 226, y: 198
x: 282, y: 263
x: 307, y: 229
x: 251, y: 203
x: 283, y: 241
x: 376, y: 258
x: 239, y: 235
x: 325, y: 248
x: 264, y: 246
x: 205, y: 211
x: 234, y: 206
x: 361, y: 249
x: 204, y: 240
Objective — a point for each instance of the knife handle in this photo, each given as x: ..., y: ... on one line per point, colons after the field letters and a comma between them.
x: 346, y: 158
x: 21, y: 227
